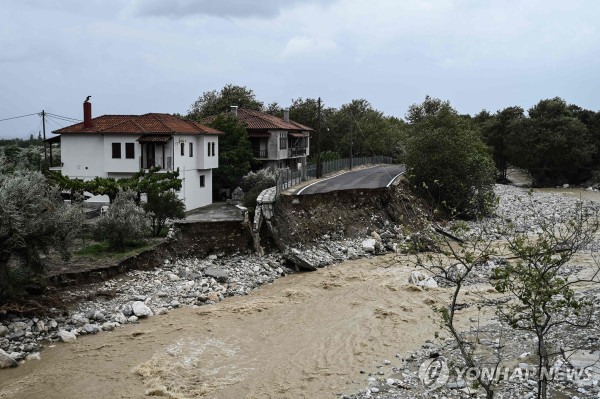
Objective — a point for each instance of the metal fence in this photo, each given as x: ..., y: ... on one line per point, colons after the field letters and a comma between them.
x: 287, y: 178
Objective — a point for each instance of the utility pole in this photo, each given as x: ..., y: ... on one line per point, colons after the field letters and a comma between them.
x: 319, y: 171
x: 44, y: 130
x: 351, y: 138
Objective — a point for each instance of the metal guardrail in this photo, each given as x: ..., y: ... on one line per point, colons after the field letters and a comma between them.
x: 287, y: 178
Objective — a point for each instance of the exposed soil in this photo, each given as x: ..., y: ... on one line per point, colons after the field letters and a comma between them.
x: 349, y: 213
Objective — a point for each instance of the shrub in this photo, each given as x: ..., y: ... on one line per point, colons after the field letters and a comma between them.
x: 254, y: 183
x: 449, y: 163
x: 124, y: 220
x: 33, y: 219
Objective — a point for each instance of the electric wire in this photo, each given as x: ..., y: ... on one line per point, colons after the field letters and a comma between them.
x: 16, y: 117
x: 65, y: 118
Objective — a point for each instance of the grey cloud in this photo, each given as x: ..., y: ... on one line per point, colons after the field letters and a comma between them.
x: 221, y: 8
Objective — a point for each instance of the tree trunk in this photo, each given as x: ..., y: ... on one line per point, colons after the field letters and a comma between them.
x: 542, y: 365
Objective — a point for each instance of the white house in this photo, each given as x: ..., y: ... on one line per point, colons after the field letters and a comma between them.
x: 278, y: 143
x: 120, y: 145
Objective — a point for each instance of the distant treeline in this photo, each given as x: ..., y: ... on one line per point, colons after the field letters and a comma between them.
x: 555, y: 142
x: 20, y: 154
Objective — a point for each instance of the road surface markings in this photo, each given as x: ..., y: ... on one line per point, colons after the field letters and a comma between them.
x: 331, y: 177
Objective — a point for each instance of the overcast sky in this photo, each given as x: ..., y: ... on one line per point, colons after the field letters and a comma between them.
x: 139, y: 56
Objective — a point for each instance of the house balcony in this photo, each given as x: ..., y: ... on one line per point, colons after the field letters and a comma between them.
x: 296, y: 152
x: 165, y: 164
x: 260, y: 154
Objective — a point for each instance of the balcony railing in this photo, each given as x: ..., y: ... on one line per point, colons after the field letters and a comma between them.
x: 296, y: 152
x: 144, y: 164
x: 260, y: 153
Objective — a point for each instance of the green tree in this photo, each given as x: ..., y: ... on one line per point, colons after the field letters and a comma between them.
x: 33, y: 220
x: 153, y: 180
x: 495, y: 131
x: 235, y: 153
x: 124, y: 220
x: 214, y: 102
x: 551, y: 144
x: 274, y: 109
x: 447, y: 159
x: 538, y: 279
x: 161, y: 206
x: 429, y: 107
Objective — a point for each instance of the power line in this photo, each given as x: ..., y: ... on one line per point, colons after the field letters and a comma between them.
x: 51, y: 119
x: 16, y: 117
x: 64, y: 117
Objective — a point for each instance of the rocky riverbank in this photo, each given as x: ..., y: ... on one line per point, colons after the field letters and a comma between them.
x: 179, y: 282
x: 401, y: 377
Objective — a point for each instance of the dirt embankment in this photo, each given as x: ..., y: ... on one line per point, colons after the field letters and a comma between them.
x: 351, y: 213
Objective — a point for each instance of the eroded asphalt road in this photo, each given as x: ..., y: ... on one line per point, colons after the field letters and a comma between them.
x: 368, y: 178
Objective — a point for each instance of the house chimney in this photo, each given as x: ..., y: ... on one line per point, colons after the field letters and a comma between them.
x: 234, y: 111
x: 286, y: 114
x: 87, y: 114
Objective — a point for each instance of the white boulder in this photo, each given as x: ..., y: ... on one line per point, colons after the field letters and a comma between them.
x: 67, y: 336
x: 140, y: 309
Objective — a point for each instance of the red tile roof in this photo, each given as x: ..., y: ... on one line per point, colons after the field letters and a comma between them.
x: 257, y: 120
x: 140, y: 124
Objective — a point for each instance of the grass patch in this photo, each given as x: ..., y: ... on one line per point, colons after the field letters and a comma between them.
x: 101, y: 250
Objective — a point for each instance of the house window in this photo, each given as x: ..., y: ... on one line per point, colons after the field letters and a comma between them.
x: 283, y: 140
x: 182, y: 149
x: 129, y: 150
x: 191, y: 149
x: 213, y: 149
x: 202, y: 181
x: 209, y: 149
x: 116, y: 150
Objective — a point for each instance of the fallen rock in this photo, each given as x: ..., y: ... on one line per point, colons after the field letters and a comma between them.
x: 6, y: 361
x: 140, y: 309
x: 67, y: 336
x: 127, y: 310
x: 90, y: 328
x: 421, y: 279
x: 217, y: 273
x: 368, y: 245
x: 298, y: 261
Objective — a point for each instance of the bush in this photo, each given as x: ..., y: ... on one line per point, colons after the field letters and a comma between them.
x: 124, y: 220
x: 33, y: 219
x: 254, y: 183
x: 449, y: 163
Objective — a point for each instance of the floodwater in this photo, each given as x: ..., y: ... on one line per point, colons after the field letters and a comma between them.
x: 579, y: 193
x: 305, y: 335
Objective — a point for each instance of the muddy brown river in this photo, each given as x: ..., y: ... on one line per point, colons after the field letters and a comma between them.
x: 305, y: 335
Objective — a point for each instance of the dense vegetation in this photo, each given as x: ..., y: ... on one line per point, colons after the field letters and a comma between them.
x: 447, y: 161
x: 33, y: 220
x: 554, y: 141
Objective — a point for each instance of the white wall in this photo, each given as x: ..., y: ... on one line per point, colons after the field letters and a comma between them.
x: 121, y: 164
x: 82, y: 156
x: 87, y: 156
x: 191, y: 193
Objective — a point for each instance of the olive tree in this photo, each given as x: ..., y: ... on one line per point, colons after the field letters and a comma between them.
x: 124, y: 220
x: 33, y: 220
